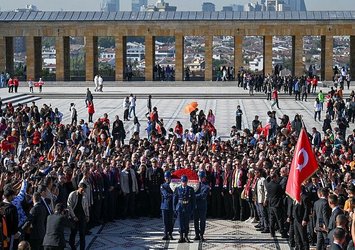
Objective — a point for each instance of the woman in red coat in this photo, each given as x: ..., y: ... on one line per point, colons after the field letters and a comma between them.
x: 36, y: 137
x: 16, y: 84
x: 179, y: 129
x: 91, y: 110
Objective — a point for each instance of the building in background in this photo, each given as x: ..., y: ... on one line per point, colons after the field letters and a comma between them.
x: 296, y: 5
x: 254, y: 7
x: 227, y: 8
x: 161, y: 5
x: 29, y: 7
x: 208, y: 7
x: 237, y: 7
x: 138, y: 5
x: 110, y: 5
x: 285, y: 5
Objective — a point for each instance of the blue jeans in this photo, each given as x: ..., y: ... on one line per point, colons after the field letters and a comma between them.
x: 132, y: 108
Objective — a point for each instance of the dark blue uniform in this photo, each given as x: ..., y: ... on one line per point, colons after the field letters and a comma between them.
x: 167, y: 208
x: 200, y: 210
x: 184, y: 203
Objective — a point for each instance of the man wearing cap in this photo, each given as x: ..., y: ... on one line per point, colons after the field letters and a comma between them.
x: 78, y: 206
x: 155, y: 178
x: 166, y: 207
x: 200, y: 209
x: 184, y: 203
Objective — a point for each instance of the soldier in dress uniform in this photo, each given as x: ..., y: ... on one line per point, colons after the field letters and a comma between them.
x: 184, y: 203
x: 200, y: 210
x: 167, y: 207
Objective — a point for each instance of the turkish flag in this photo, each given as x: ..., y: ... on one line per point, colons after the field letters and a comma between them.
x: 265, y: 130
x: 303, y: 166
x: 288, y: 126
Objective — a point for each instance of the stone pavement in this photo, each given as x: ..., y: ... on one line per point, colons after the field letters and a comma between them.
x: 172, y: 110
x: 146, y: 233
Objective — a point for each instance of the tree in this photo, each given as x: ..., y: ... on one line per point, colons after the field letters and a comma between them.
x: 106, y: 42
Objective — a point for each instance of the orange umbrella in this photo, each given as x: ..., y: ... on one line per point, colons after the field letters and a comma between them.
x: 188, y: 109
x: 194, y: 104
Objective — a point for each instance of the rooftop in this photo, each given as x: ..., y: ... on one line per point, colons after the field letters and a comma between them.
x: 71, y: 16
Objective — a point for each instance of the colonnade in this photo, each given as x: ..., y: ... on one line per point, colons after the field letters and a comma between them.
x: 34, y: 56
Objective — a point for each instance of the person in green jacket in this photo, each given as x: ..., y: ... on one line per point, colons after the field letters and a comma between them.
x: 321, y: 98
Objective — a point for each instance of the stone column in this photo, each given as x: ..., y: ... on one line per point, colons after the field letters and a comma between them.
x: 91, y: 57
x: 297, y: 56
x: 62, y: 47
x: 149, y: 57
x: 120, y: 56
x: 2, y: 54
x: 238, y: 52
x: 9, y: 44
x: 208, y: 58
x: 267, y: 55
x: 179, y: 57
x: 327, y: 58
x: 34, y: 57
x: 352, y: 57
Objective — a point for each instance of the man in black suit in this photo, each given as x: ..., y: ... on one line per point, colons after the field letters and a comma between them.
x: 339, y: 238
x: 275, y: 200
x: 54, y: 237
x: 321, y: 215
x: 342, y: 222
x: 43, y: 192
x: 300, y: 215
x: 37, y: 222
x: 333, y: 203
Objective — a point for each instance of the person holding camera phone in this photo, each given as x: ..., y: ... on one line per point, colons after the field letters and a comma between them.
x: 56, y: 223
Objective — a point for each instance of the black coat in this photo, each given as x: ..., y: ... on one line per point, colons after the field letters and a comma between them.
x: 118, y: 129
x: 301, y: 211
x: 335, y: 247
x: 55, y: 230
x: 11, y: 217
x: 332, y: 220
x: 37, y: 220
x: 274, y: 194
x: 321, y: 212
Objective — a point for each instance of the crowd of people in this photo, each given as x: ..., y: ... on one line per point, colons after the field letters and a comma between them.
x: 91, y: 173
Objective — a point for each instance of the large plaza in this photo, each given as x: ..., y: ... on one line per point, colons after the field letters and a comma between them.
x: 170, y: 99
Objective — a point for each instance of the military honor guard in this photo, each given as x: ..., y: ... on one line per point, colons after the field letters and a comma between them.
x: 200, y: 209
x: 166, y: 207
x: 184, y: 204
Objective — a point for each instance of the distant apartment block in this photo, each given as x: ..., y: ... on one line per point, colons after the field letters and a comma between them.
x: 208, y: 7
x: 138, y: 5
x: 110, y: 5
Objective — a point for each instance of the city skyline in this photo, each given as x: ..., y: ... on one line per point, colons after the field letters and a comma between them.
x: 196, y: 5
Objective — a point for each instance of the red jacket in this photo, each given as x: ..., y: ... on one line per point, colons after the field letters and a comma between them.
x: 91, y: 108
x: 16, y: 82
x: 179, y: 129
x: 275, y: 95
x: 36, y: 138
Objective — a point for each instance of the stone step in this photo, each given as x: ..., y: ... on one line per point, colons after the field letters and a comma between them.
x: 17, y: 99
x: 162, y: 96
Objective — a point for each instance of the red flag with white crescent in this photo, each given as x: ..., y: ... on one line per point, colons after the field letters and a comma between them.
x: 303, y: 166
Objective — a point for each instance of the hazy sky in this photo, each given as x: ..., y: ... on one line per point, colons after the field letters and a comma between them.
x: 182, y: 4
